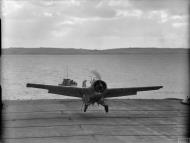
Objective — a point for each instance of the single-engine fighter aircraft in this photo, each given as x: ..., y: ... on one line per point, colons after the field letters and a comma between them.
x: 96, y: 93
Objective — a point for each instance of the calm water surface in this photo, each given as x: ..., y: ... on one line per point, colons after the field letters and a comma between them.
x: 131, y: 70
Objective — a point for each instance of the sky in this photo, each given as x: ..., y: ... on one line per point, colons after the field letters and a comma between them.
x: 95, y: 24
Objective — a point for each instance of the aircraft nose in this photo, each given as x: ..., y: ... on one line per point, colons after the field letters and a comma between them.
x: 100, y: 86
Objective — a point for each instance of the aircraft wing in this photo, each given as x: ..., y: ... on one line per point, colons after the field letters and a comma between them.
x: 116, y: 92
x: 67, y: 91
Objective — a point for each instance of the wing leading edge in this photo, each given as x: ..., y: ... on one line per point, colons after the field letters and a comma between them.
x: 68, y: 91
x: 116, y: 92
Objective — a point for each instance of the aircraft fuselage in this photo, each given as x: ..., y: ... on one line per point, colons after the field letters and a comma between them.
x: 95, y: 94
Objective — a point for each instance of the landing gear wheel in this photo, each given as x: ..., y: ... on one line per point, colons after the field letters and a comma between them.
x: 106, y: 108
x: 85, y: 107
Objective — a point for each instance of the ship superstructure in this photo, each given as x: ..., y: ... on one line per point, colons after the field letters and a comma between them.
x: 68, y: 82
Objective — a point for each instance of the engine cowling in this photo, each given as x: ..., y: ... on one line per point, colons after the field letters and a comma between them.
x: 99, y: 86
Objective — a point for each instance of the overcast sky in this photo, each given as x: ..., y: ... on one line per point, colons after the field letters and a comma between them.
x: 95, y: 24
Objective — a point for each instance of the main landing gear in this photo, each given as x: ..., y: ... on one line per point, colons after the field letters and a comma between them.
x: 106, y: 108
x: 85, y: 107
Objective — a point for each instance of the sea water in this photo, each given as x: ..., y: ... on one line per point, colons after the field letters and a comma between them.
x: 130, y: 70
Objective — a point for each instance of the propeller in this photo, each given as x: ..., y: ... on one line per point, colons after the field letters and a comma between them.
x: 99, y: 86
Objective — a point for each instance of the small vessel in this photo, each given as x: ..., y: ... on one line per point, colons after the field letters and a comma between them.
x: 68, y: 82
x: 186, y: 101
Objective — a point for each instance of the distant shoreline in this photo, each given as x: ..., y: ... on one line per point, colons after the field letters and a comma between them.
x: 72, y: 51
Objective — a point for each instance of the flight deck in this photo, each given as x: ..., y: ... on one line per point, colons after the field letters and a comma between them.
x: 62, y: 121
